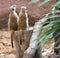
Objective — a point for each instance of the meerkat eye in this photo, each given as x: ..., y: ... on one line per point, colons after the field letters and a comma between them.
x: 12, y: 8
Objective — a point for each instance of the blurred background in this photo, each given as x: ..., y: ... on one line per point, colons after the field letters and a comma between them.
x: 35, y: 13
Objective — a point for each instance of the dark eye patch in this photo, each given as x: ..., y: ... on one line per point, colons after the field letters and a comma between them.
x: 12, y: 8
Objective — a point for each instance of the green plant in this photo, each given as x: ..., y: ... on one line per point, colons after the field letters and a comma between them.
x: 51, y: 26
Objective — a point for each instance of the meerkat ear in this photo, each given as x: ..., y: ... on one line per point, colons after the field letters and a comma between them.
x: 13, y: 6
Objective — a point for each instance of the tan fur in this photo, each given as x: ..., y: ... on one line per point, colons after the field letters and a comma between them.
x: 23, y: 25
x: 23, y: 19
x: 12, y: 22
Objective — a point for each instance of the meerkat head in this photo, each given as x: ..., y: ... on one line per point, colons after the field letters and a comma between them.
x: 23, y: 9
x: 13, y: 8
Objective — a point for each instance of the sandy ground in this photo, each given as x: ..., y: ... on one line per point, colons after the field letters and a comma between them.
x: 6, y: 51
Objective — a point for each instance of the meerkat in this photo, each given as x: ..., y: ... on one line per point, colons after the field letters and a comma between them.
x: 12, y: 22
x: 23, y: 23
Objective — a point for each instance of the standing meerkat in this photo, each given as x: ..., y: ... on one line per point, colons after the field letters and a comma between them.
x: 23, y: 23
x: 12, y: 22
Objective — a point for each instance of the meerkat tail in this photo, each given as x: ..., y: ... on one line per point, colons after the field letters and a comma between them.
x: 12, y: 36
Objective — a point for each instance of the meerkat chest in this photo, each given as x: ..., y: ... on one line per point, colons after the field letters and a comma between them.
x: 13, y: 20
x: 22, y: 22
